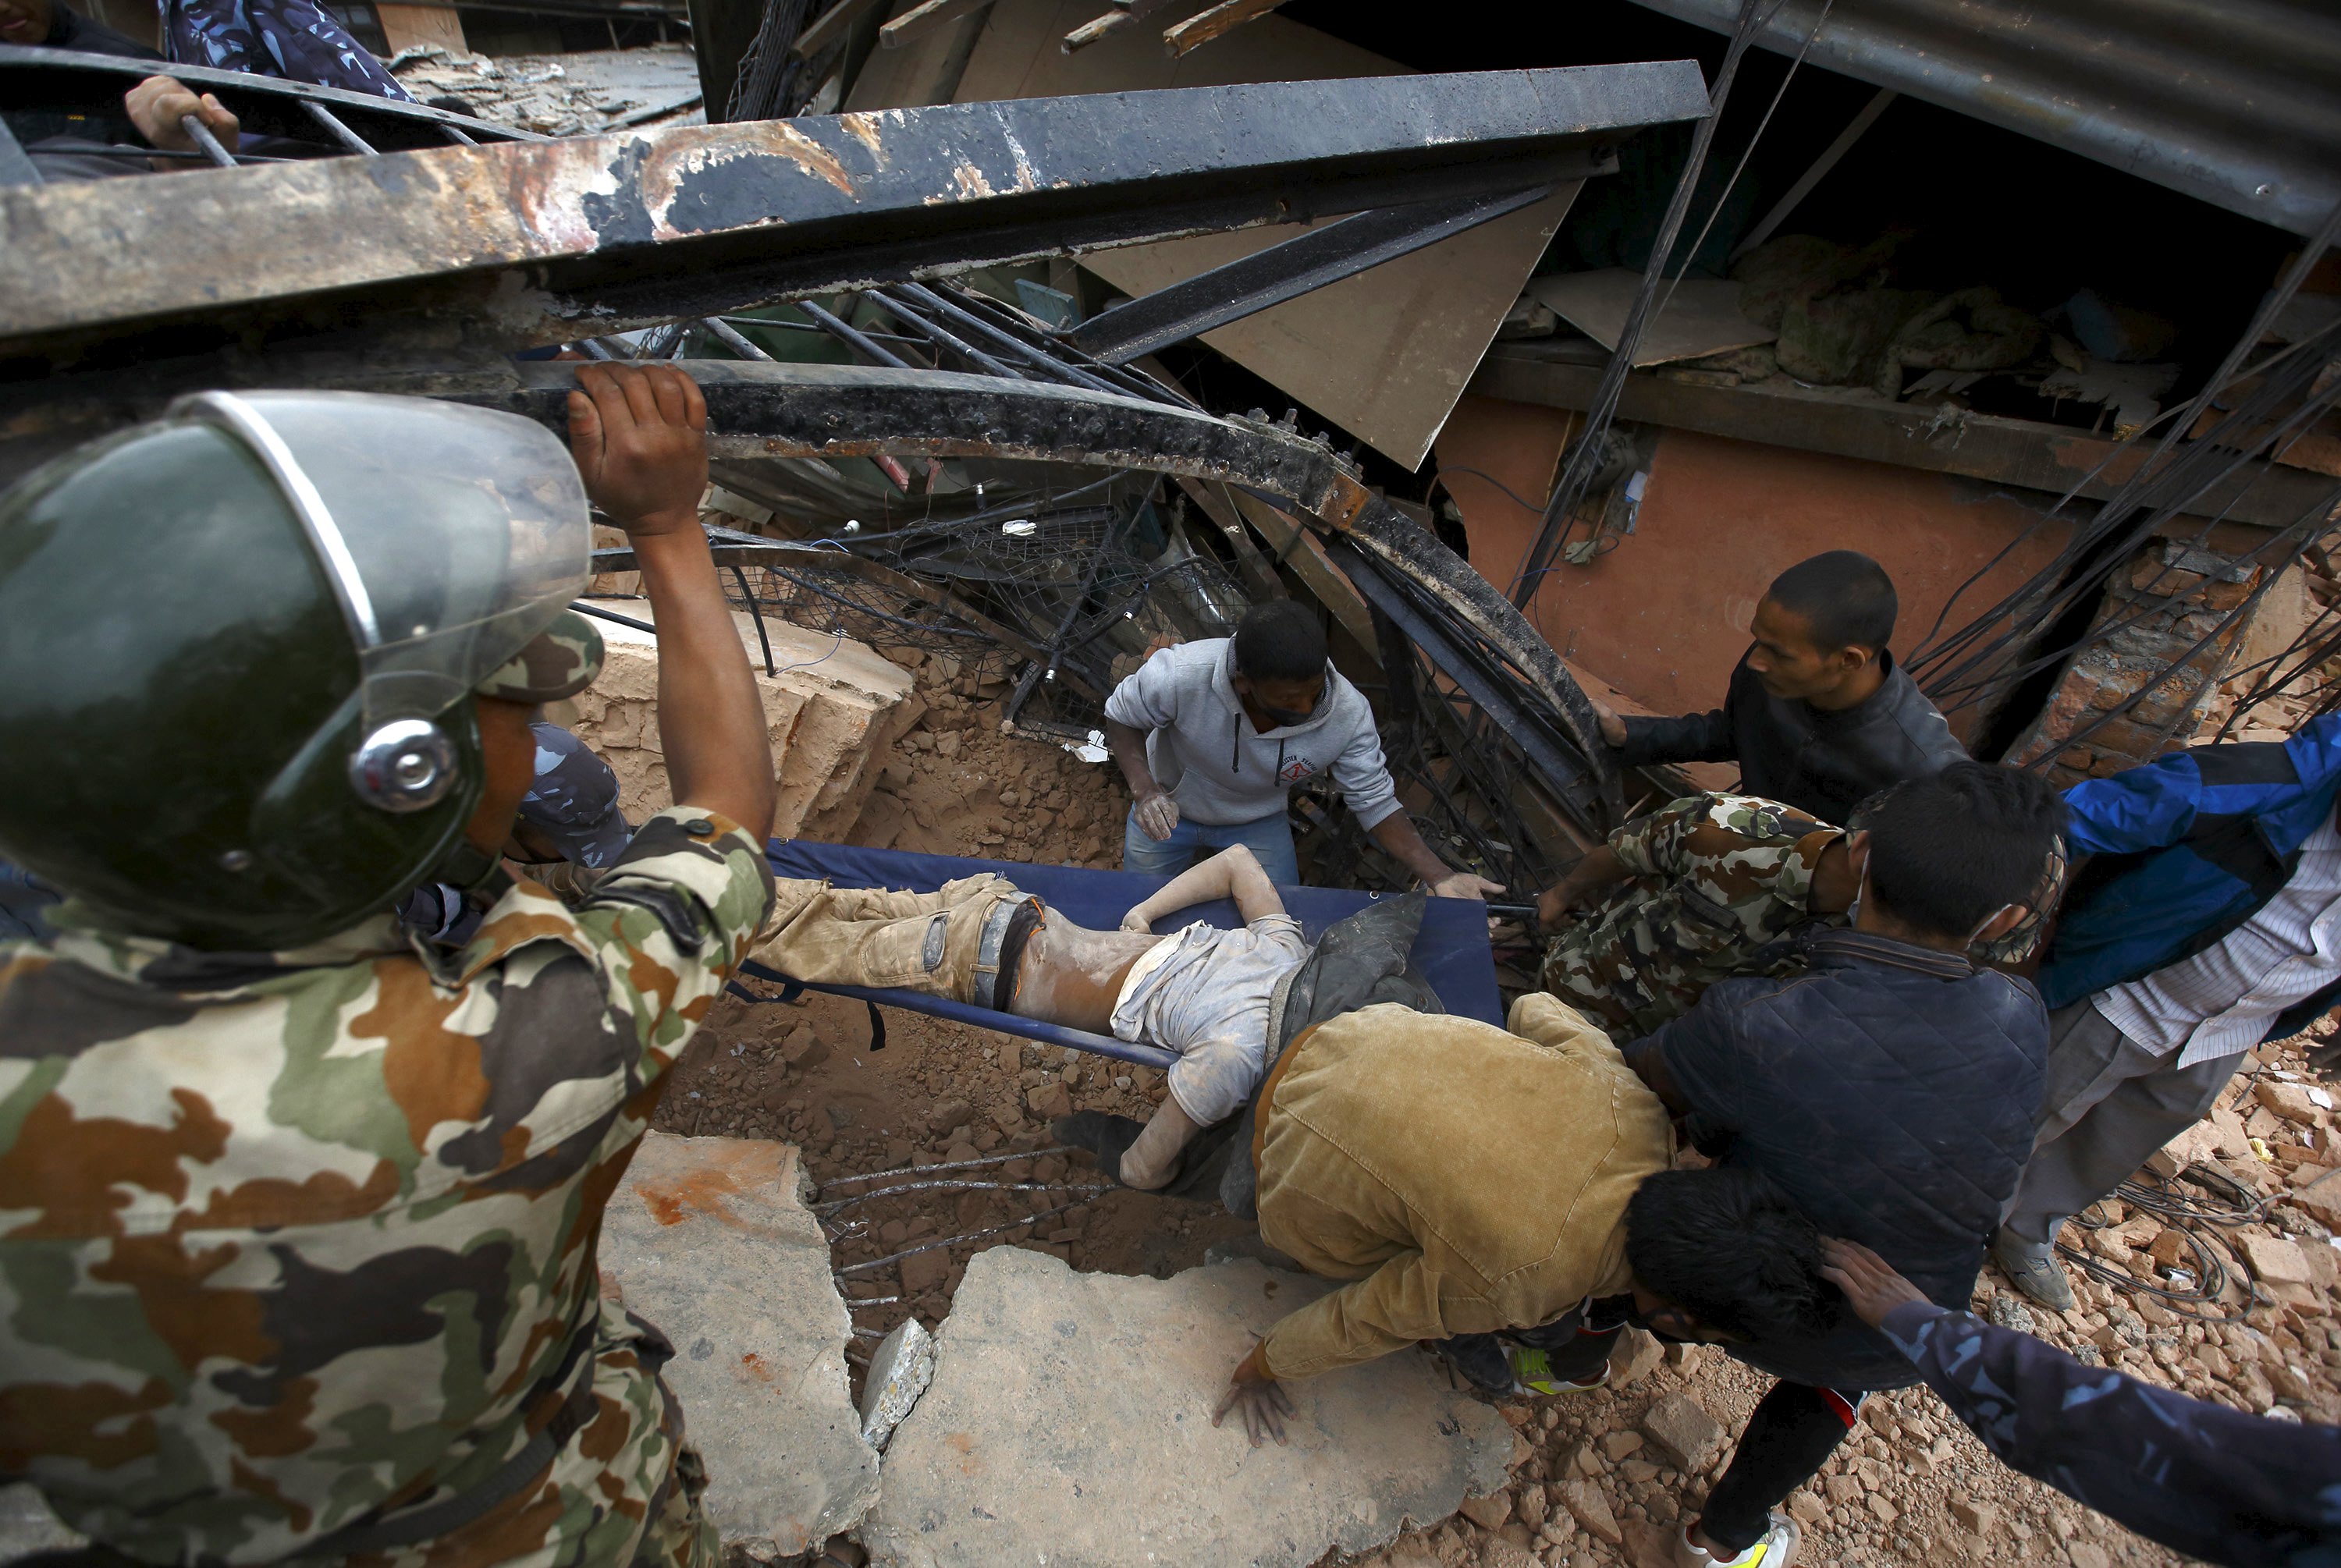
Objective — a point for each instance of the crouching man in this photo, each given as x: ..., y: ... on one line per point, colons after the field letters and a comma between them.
x: 1201, y: 992
x: 1472, y: 1182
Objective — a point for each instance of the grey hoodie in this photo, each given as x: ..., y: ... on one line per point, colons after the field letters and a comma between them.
x: 1206, y: 754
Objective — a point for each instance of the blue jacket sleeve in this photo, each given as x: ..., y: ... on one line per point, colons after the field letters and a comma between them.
x: 2208, y: 1481
x: 2149, y: 807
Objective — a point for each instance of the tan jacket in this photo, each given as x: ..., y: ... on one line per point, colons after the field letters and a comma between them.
x: 1467, y: 1179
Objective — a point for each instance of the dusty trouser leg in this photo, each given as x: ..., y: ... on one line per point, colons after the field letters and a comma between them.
x: 931, y: 942
x: 2110, y: 1103
x: 1575, y: 1349
x: 1794, y: 1429
x: 2152, y: 1101
x: 1153, y: 1160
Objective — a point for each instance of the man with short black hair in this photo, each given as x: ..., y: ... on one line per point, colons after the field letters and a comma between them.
x: 1818, y: 716
x: 1212, y: 737
x: 1888, y: 1090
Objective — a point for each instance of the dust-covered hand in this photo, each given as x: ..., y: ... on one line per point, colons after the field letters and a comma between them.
x: 1254, y: 1393
x: 1139, y: 920
x: 1613, y: 729
x: 1158, y: 816
x: 639, y: 436
x: 1465, y: 884
x: 1868, y: 1281
x: 158, y: 105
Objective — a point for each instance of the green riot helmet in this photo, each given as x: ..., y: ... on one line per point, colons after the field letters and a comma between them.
x: 237, y: 647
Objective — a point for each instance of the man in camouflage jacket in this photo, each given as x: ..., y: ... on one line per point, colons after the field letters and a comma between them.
x: 298, y: 1239
x: 1709, y: 886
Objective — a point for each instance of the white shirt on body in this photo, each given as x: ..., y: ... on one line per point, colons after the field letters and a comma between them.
x: 1203, y: 992
x: 2221, y: 1001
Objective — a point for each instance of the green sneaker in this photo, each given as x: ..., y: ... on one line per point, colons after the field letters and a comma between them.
x: 1532, y: 1372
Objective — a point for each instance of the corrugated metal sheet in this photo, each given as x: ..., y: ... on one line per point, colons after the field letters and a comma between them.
x: 2236, y: 101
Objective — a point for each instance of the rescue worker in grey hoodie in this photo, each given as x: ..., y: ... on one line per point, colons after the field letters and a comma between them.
x: 1212, y: 736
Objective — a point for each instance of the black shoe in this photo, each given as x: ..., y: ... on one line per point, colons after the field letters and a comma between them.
x: 1481, y: 1358
x: 1105, y: 1138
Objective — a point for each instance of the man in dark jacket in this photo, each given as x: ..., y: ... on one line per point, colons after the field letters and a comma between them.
x: 2208, y: 920
x: 1889, y: 1091
x: 2213, y: 1483
x: 1818, y: 716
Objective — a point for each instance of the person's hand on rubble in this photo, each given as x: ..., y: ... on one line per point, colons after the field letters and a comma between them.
x: 1158, y: 815
x: 1254, y: 1394
x: 1868, y: 1281
x: 1613, y: 729
x: 639, y: 436
x: 158, y: 105
x: 1465, y: 884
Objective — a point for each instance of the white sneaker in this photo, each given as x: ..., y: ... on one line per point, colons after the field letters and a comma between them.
x: 1777, y: 1549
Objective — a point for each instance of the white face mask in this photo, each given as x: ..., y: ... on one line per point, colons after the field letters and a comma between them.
x: 1976, y: 935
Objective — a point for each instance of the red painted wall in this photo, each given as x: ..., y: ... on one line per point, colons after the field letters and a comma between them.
x: 1664, y: 616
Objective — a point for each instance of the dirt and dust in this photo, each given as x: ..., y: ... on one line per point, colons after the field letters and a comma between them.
x: 1910, y: 1485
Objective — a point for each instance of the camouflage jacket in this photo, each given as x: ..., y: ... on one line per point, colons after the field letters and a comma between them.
x: 292, y: 1238
x: 1720, y: 883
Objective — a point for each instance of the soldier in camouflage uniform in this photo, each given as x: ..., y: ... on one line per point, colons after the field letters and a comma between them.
x: 1709, y: 886
x: 301, y: 1213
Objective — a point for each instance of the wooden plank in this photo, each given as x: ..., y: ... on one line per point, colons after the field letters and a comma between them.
x: 421, y: 26
x: 1298, y: 548
x: 1213, y: 501
x: 924, y: 18
x: 1202, y: 27
x: 2027, y: 453
x: 828, y: 27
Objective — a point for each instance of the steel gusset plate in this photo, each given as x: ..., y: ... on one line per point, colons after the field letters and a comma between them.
x: 1471, y: 632
x: 522, y: 244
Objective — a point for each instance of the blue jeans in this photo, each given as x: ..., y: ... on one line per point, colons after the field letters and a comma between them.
x: 1269, y: 837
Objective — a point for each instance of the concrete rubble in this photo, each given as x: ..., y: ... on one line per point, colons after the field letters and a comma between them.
x: 1070, y: 1421
x: 834, y: 712
x: 709, y: 1240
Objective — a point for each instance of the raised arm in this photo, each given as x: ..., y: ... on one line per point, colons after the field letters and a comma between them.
x: 1233, y: 873
x: 641, y: 441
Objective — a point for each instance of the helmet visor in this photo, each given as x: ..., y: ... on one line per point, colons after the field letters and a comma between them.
x: 452, y: 535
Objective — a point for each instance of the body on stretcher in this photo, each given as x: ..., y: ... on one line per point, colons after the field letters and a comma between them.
x: 1451, y: 951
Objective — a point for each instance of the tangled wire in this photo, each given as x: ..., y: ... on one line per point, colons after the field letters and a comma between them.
x: 2199, y: 1220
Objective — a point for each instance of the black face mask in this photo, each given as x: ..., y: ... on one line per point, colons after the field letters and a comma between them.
x: 1283, y: 718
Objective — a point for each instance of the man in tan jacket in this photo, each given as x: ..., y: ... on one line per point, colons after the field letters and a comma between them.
x: 1470, y: 1181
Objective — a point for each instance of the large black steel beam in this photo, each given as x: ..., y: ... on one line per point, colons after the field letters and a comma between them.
x: 522, y: 244
x: 764, y: 409
x: 1266, y: 278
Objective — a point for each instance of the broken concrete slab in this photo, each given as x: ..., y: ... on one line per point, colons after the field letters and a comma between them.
x: 832, y: 713
x: 1070, y: 1420
x: 709, y: 1240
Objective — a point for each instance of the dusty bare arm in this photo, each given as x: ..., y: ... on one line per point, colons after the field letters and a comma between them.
x: 1233, y: 873
x: 639, y: 437
x: 1158, y: 814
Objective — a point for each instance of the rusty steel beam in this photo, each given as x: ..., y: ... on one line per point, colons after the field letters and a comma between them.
x: 522, y: 244
x: 1488, y: 648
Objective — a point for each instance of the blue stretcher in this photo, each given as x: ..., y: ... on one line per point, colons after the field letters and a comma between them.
x: 1451, y: 951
